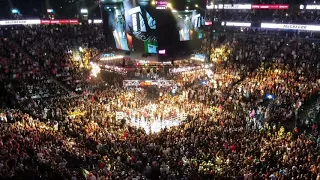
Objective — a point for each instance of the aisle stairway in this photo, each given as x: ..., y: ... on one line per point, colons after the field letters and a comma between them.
x: 24, y: 51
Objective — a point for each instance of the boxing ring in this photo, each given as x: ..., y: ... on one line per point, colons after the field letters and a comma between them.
x: 154, y: 126
x: 149, y: 122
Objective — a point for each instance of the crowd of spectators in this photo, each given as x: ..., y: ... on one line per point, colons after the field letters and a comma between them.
x: 236, y: 126
x: 275, y: 16
x: 63, y: 51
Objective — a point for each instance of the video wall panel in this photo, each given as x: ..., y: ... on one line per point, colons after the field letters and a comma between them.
x: 132, y: 25
x: 189, y: 24
x: 136, y: 25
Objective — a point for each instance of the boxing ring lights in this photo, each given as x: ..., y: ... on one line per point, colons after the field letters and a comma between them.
x: 95, y: 69
x: 110, y: 58
x: 189, y: 69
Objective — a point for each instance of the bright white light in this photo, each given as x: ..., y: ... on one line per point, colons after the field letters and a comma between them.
x: 185, y: 69
x: 162, y: 51
x: 174, y: 10
x: 84, y: 11
x: 111, y: 58
x: 80, y: 49
x: 15, y: 11
x: 187, y: 7
x: 197, y: 59
x: 95, y: 69
x: 301, y: 6
x: 238, y: 24
x: 97, y: 21
x: 169, y: 5
x: 209, y: 73
x: 49, y: 10
x: 196, y: 5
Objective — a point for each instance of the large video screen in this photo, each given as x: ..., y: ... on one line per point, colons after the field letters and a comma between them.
x: 132, y: 25
x: 117, y: 26
x: 189, y: 24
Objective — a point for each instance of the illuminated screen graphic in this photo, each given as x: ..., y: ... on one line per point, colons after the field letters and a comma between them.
x: 189, y: 24
x: 132, y: 25
x: 117, y: 26
x: 150, y: 47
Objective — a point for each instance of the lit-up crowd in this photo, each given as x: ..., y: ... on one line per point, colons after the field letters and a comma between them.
x: 236, y: 118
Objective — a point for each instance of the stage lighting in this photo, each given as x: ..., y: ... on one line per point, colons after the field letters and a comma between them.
x: 49, y: 10
x: 169, y: 5
x: 84, y: 11
x: 187, y: 7
x: 153, y: 3
x: 95, y: 69
x: 196, y: 5
x: 270, y: 96
x: 162, y: 51
x: 15, y: 11
x: 301, y: 6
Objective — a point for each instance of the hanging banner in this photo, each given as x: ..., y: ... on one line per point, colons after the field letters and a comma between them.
x: 248, y: 6
x: 230, y: 6
x: 309, y: 6
x: 63, y: 21
x: 302, y: 27
x: 270, y: 6
x: 19, y: 22
x: 236, y: 24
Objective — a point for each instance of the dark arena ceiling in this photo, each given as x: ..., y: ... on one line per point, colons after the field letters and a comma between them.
x: 70, y: 8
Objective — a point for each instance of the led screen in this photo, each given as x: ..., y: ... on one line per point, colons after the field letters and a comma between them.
x: 132, y: 25
x: 150, y: 47
x: 117, y: 26
x: 189, y: 24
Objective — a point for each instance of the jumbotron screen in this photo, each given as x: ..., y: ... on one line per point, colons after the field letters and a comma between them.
x: 189, y: 24
x: 132, y: 25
